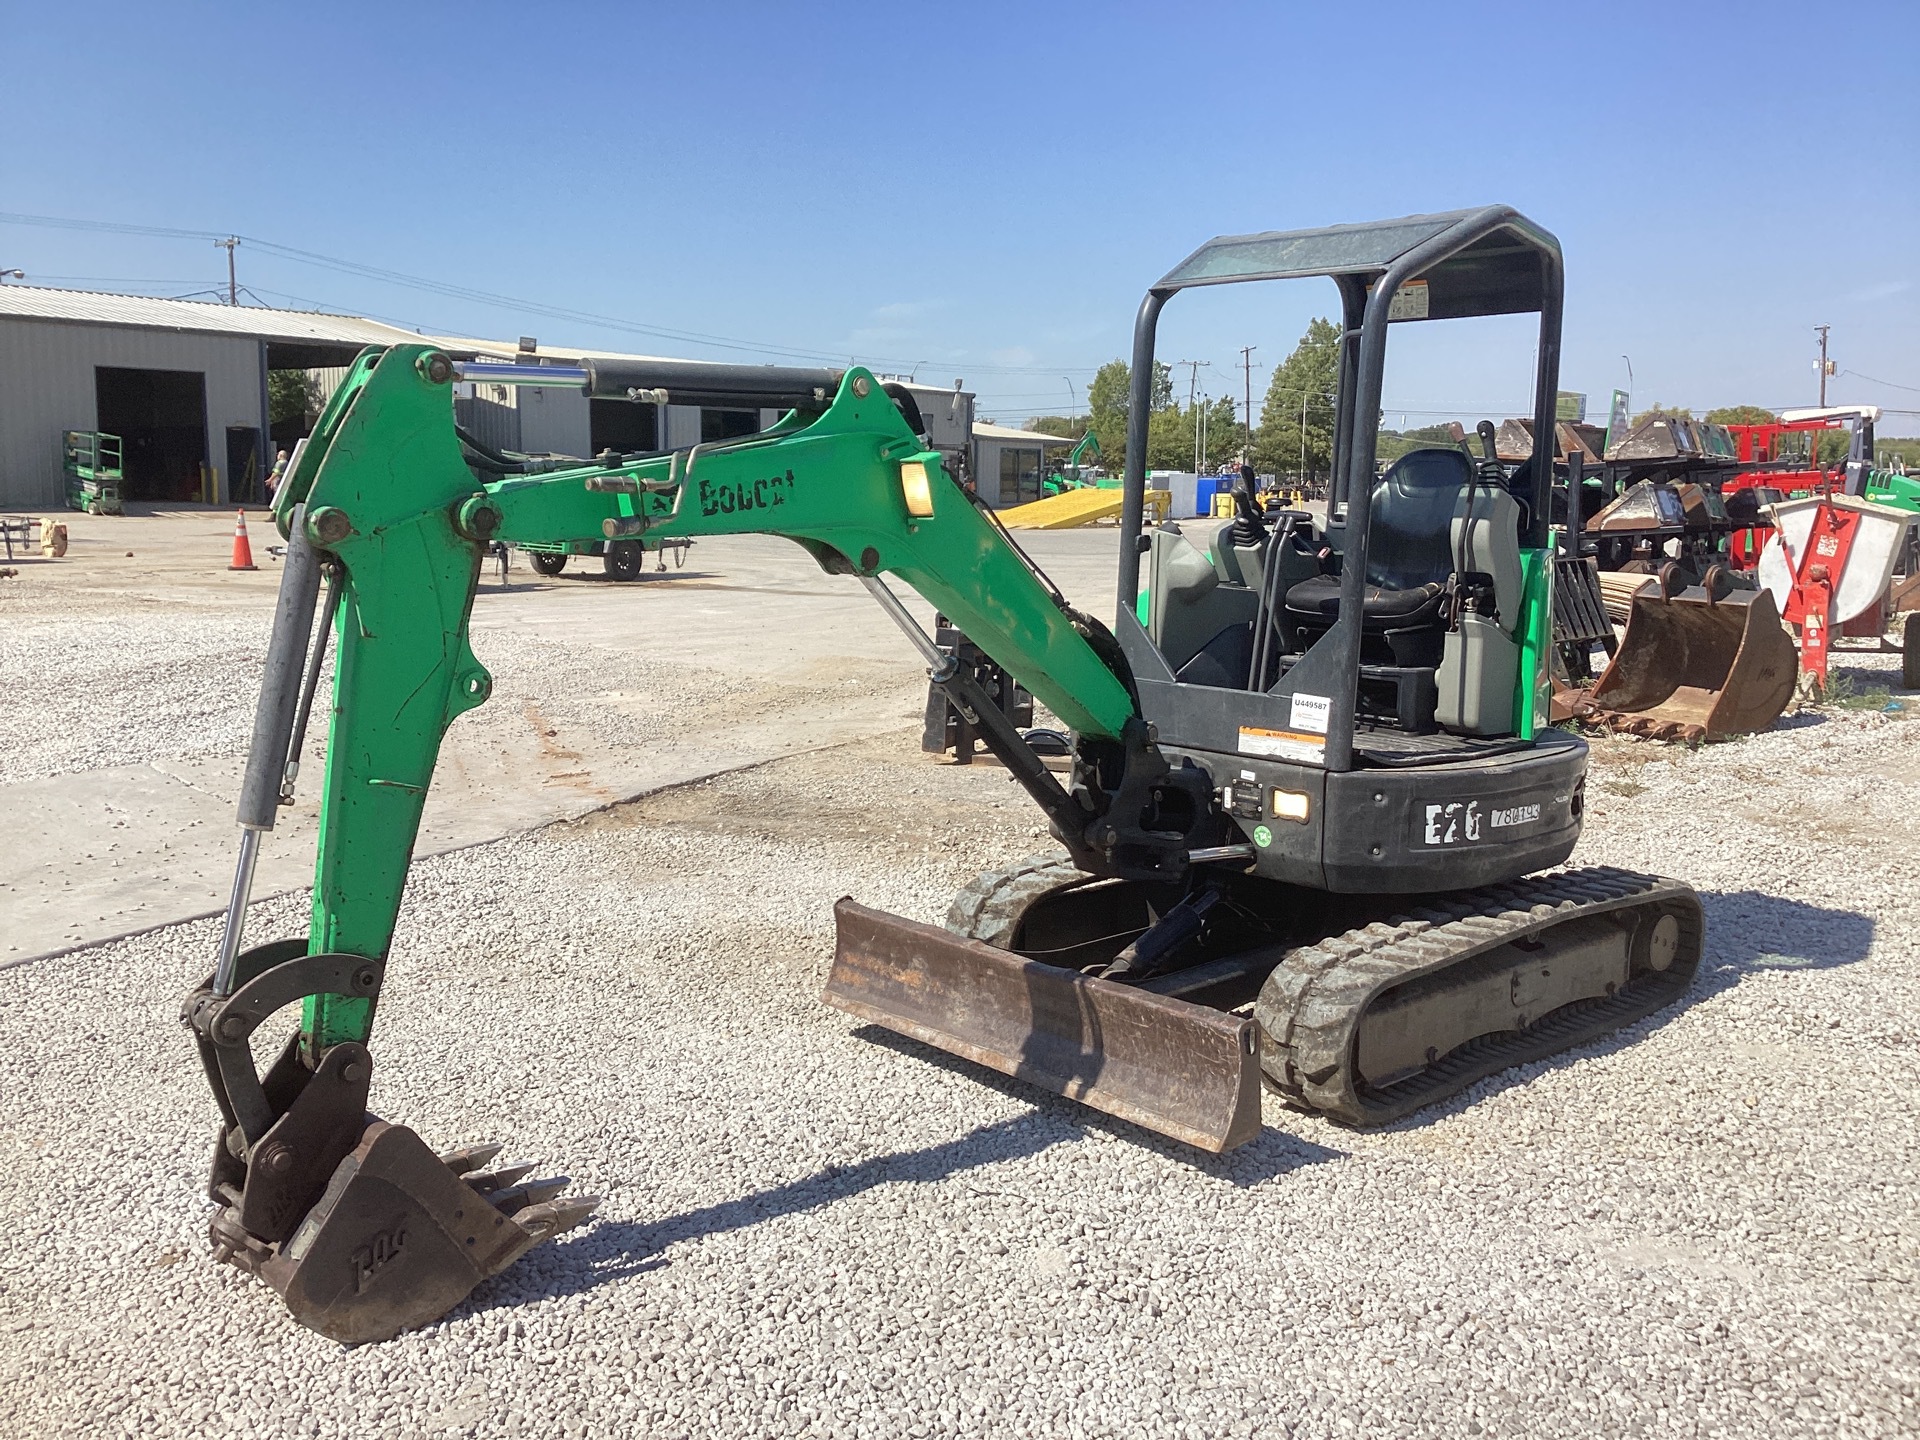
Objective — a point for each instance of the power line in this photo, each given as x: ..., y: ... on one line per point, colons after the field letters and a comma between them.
x: 1890, y: 384
x: 505, y: 302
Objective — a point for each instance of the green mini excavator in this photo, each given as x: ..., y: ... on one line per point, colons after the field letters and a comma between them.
x: 1303, y: 836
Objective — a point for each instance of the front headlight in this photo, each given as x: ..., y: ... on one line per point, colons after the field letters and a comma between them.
x: 918, y: 489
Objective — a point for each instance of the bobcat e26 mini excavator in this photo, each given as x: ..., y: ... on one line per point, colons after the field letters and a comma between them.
x: 1306, y: 795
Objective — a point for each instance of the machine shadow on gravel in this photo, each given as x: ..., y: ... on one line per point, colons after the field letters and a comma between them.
x: 1273, y: 1154
x: 1749, y: 931
x: 618, y: 1249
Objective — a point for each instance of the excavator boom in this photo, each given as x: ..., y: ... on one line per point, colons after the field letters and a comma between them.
x: 361, y: 1227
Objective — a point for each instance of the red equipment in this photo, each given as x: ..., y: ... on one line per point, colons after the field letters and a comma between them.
x: 1810, y: 602
x: 1769, y: 445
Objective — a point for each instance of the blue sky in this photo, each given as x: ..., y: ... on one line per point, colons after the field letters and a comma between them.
x: 984, y: 191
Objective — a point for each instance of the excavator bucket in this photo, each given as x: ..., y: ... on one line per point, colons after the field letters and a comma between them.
x: 363, y: 1229
x: 1696, y: 664
x: 401, y: 1235
x: 1181, y: 1069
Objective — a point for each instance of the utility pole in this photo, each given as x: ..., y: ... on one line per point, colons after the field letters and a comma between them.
x: 1303, y: 440
x: 1246, y: 364
x: 233, y: 284
x: 1826, y: 365
x: 1193, y: 378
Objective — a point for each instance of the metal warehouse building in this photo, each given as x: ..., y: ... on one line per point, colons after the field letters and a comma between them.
x: 182, y: 383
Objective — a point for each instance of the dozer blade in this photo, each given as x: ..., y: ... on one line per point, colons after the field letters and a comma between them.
x: 1180, y: 1069
x: 1693, y: 667
x: 400, y: 1236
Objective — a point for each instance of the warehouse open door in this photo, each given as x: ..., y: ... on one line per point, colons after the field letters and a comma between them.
x: 161, y: 419
x: 246, y: 477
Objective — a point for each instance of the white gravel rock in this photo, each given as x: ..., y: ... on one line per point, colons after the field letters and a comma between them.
x: 1707, y: 1226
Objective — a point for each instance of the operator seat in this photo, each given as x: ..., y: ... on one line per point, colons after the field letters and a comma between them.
x: 1409, y: 559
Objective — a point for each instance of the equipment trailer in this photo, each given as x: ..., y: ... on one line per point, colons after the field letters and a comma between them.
x: 1306, y: 792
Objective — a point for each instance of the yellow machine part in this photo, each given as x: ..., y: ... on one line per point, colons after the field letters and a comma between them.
x: 1074, y: 508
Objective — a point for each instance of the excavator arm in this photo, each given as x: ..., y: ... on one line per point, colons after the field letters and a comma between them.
x: 361, y: 1227
x: 385, y: 493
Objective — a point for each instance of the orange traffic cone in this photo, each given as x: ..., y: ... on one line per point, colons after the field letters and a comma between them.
x: 242, y: 551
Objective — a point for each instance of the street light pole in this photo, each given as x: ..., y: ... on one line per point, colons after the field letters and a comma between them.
x: 1246, y: 363
x: 1303, y: 438
x: 1193, y: 379
x: 14, y: 274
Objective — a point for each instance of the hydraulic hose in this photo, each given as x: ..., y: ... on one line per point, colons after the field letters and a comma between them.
x: 273, y: 723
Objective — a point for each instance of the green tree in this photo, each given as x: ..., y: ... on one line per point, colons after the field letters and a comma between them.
x: 1066, y: 428
x: 291, y: 395
x: 1740, y: 415
x: 1222, y: 433
x: 1889, y: 449
x: 1395, y: 443
x: 1677, y: 412
x: 1303, y: 385
x: 1170, y: 439
x: 1108, y: 400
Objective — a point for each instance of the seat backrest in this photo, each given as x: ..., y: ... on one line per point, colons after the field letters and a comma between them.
x: 1410, y: 530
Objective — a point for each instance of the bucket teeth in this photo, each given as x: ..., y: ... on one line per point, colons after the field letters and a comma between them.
x: 516, y: 1198
x: 546, y: 1220
x: 495, y: 1180
x: 470, y: 1157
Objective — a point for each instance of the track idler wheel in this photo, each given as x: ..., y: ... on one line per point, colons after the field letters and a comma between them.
x: 401, y: 1235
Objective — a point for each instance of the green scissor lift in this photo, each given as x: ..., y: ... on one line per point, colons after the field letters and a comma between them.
x: 91, y: 459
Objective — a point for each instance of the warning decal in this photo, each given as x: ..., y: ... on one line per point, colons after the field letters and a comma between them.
x: 1409, y: 302
x: 1282, y: 745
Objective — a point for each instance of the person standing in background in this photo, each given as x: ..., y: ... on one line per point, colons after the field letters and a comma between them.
x: 276, y: 475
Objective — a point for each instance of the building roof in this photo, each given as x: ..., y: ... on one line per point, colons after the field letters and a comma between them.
x: 466, y: 347
x: 142, y: 312
x: 1007, y: 432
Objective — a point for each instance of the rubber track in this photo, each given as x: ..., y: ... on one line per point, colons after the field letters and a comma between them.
x: 989, y: 909
x: 1310, y: 1009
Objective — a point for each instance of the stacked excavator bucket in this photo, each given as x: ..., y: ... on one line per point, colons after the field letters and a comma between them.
x: 1697, y: 663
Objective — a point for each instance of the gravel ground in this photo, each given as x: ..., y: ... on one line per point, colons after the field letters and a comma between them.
x: 56, y: 665
x: 1707, y: 1226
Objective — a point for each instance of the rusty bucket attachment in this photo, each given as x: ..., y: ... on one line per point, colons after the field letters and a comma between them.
x: 363, y: 1230
x: 1697, y: 663
x: 1181, y: 1069
x: 401, y: 1235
